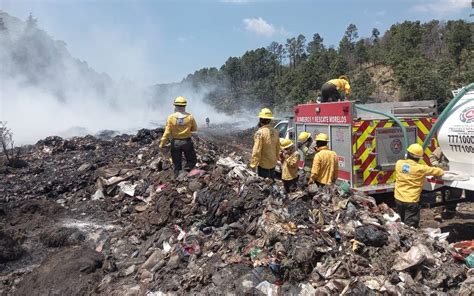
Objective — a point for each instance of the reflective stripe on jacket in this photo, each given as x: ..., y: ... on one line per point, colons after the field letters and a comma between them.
x: 266, y: 148
x: 410, y: 177
x: 325, y: 166
x: 179, y: 125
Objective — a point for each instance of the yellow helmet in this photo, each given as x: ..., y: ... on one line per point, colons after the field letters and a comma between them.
x: 322, y: 137
x: 415, y: 150
x: 265, y: 113
x: 286, y: 143
x: 303, y: 137
x: 180, y: 101
x: 345, y: 77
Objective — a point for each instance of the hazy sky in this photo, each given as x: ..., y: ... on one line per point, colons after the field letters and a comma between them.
x: 163, y: 41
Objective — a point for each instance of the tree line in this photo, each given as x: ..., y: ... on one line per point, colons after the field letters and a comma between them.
x: 410, y: 61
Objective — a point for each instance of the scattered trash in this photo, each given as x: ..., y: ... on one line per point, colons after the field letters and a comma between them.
x: 217, y: 230
x: 371, y: 235
x: 127, y: 188
x: 470, y: 260
x: 416, y: 255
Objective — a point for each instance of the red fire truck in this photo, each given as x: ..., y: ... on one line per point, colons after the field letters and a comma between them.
x: 368, y: 144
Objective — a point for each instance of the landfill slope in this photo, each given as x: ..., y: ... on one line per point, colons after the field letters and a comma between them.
x: 94, y: 216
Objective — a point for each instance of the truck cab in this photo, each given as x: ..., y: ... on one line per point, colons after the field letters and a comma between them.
x: 285, y: 128
x: 456, y: 140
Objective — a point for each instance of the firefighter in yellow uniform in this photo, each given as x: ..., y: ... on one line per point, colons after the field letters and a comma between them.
x: 179, y: 126
x: 289, y: 168
x: 266, y: 147
x: 410, y: 176
x: 336, y: 90
x: 325, y: 163
x: 308, y: 147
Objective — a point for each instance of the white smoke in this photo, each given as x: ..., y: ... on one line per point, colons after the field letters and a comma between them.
x: 66, y: 97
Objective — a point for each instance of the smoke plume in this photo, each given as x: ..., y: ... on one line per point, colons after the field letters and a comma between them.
x: 45, y: 91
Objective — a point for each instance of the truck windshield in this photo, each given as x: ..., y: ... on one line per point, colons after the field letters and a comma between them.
x: 282, y: 127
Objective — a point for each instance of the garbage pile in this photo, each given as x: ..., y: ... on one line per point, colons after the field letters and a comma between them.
x: 111, y: 213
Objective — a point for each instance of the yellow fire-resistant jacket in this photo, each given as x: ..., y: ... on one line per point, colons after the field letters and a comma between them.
x: 325, y: 166
x: 179, y: 125
x: 290, y: 166
x: 341, y: 85
x: 266, y: 148
x: 410, y: 177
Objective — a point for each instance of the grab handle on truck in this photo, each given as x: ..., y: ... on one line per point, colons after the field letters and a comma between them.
x: 404, y: 130
x: 442, y: 117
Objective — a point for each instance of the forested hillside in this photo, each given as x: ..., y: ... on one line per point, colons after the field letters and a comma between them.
x: 410, y: 61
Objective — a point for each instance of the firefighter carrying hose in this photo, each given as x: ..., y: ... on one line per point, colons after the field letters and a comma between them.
x: 410, y: 176
x: 266, y: 148
x: 336, y: 90
x: 180, y: 126
x: 325, y: 163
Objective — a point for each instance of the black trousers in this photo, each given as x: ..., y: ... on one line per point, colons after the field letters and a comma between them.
x: 266, y: 173
x: 290, y: 185
x: 329, y: 93
x: 180, y: 147
x: 409, y: 212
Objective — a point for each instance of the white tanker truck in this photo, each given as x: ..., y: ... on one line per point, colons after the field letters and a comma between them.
x: 455, y: 135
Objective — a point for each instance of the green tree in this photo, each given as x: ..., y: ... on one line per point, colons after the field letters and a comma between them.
x: 339, y: 66
x: 300, y: 49
x: 375, y: 35
x: 458, y: 37
x: 232, y: 71
x: 361, y: 55
x: 402, y: 42
x: 291, y: 49
x: 419, y: 80
x: 362, y: 87
x: 351, y: 33
x: 316, y: 45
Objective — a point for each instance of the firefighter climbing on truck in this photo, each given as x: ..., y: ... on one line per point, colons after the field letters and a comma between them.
x: 336, y: 90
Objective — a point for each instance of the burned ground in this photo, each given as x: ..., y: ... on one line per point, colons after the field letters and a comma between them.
x: 90, y: 216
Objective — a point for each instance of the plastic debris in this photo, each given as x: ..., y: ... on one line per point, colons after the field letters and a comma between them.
x: 371, y: 235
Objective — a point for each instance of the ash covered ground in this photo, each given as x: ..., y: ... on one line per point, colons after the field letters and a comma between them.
x: 91, y: 216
